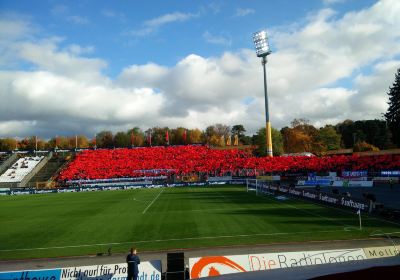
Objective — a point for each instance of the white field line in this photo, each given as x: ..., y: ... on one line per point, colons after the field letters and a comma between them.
x: 138, y: 200
x: 148, y: 206
x: 314, y: 214
x: 172, y: 239
x: 215, y: 209
x: 348, y: 211
x: 384, y: 233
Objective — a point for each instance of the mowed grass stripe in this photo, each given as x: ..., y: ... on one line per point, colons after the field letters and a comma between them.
x: 172, y: 239
x: 178, y: 218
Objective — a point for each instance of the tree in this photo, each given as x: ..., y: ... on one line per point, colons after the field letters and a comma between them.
x: 328, y: 138
x: 301, y: 137
x: 215, y: 140
x: 375, y: 132
x: 195, y: 136
x: 364, y: 147
x: 80, y: 141
x: 138, y: 136
x: 222, y: 130
x: 61, y: 142
x: 239, y: 130
x: 122, y: 140
x: 105, y: 139
x: 346, y: 130
x: 177, y: 136
x: 277, y: 142
x: 158, y: 136
x: 8, y: 144
x: 393, y: 113
x: 83, y: 141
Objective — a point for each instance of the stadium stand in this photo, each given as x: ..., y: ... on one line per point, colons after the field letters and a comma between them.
x: 48, y: 170
x: 17, y: 172
x: 6, y: 160
x: 3, y: 158
x: 186, y: 160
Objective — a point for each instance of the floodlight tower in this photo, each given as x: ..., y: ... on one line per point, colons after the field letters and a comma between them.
x: 262, y: 49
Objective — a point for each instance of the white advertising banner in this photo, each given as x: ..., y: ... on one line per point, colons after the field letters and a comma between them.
x: 219, y: 265
x: 150, y: 270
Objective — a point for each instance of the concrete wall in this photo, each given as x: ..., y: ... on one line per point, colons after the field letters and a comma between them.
x: 8, y: 163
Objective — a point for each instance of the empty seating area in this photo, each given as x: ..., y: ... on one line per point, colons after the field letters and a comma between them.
x: 184, y: 160
x: 3, y: 158
x: 17, y: 172
x: 48, y: 170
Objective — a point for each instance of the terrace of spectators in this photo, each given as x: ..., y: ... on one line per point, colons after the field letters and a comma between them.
x: 17, y: 172
x: 185, y: 160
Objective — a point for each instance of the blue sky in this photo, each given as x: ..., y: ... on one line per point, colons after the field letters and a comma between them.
x: 119, y: 31
x: 191, y: 63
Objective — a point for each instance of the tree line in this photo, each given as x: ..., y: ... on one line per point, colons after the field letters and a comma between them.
x: 300, y: 136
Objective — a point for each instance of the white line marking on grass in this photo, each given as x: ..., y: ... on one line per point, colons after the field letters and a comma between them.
x: 174, y: 239
x: 348, y: 211
x: 148, y: 206
x: 138, y: 200
x: 384, y: 233
x: 217, y: 209
x: 314, y: 214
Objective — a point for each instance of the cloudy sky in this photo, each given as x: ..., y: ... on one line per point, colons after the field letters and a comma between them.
x: 70, y: 67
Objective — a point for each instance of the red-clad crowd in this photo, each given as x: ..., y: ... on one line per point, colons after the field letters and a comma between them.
x: 184, y: 160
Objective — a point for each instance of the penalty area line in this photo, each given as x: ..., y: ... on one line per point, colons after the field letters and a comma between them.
x: 172, y: 239
x: 148, y: 206
x: 384, y: 233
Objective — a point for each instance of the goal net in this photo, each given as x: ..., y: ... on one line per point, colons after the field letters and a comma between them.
x: 258, y: 186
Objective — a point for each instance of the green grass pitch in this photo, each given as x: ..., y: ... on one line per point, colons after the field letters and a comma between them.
x: 68, y: 224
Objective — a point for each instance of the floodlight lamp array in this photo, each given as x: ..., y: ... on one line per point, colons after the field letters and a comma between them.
x: 260, y: 39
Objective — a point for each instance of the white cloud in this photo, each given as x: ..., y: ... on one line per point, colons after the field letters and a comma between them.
x: 152, y: 25
x: 46, y: 56
x: 59, y: 10
x: 218, y: 40
x: 108, y: 13
x: 332, y: 2
x: 241, y: 12
x: 63, y: 12
x: 78, y: 19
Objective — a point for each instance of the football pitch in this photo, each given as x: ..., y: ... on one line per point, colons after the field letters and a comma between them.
x: 72, y: 224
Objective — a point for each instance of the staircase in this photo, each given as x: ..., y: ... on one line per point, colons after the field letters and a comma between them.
x: 6, y: 160
x: 48, y: 170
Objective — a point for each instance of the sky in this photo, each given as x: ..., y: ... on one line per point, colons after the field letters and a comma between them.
x: 80, y: 67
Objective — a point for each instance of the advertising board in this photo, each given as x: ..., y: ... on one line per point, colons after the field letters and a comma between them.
x: 338, y: 200
x: 150, y: 270
x: 218, y: 265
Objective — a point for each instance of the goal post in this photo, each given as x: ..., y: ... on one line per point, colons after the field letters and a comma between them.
x: 257, y: 185
x: 252, y: 185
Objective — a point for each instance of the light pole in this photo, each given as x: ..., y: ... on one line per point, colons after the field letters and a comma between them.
x: 262, y: 49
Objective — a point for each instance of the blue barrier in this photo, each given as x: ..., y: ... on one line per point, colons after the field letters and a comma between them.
x: 47, y: 274
x: 119, y: 187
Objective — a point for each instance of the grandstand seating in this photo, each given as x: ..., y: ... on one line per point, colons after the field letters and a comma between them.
x: 3, y: 158
x: 184, y: 160
x: 48, y: 170
x: 17, y: 172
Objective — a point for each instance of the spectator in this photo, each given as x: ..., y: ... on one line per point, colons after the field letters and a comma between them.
x: 133, y: 261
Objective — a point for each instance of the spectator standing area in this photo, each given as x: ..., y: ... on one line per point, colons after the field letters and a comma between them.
x: 17, y: 172
x: 203, y: 161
